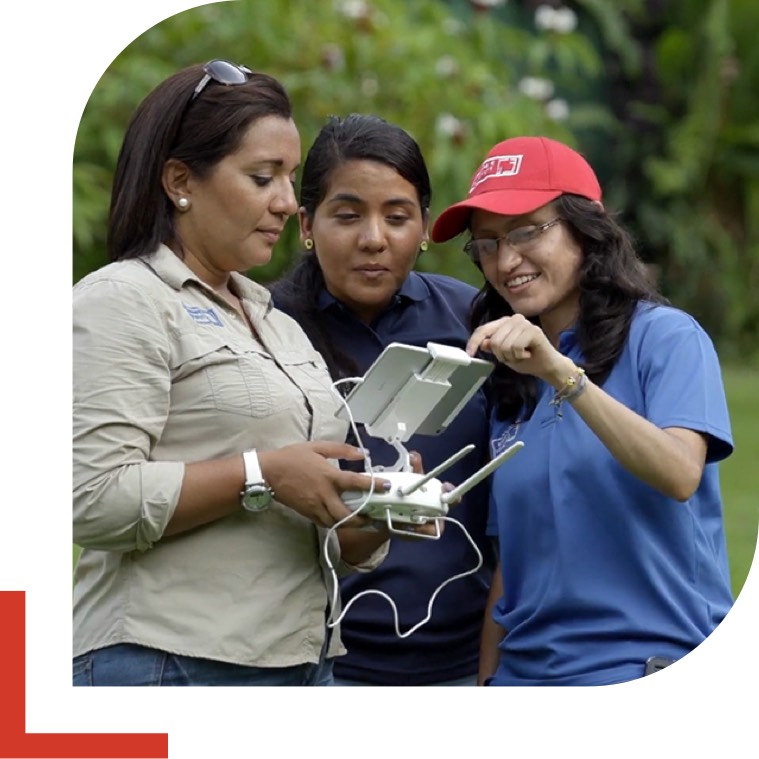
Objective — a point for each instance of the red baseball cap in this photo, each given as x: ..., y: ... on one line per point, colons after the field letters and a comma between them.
x: 518, y: 176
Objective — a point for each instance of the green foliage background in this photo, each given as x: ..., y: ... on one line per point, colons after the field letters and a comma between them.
x: 660, y: 96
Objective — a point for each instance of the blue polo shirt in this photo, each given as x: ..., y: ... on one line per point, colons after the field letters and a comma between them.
x: 427, y: 308
x: 600, y: 570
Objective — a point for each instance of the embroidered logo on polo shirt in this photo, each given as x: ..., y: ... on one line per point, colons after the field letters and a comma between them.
x: 203, y: 315
x: 497, y: 166
x: 500, y: 444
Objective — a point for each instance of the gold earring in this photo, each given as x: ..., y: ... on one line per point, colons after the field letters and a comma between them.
x: 308, y: 244
x: 423, y: 246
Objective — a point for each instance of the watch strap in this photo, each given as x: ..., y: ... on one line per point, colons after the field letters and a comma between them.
x: 253, y: 475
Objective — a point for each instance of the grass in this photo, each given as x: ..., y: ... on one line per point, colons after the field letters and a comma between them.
x: 737, y: 474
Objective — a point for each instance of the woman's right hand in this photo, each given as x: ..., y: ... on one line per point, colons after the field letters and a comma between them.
x: 522, y: 346
x: 303, y: 479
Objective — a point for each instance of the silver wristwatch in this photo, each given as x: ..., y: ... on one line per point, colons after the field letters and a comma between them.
x: 256, y: 495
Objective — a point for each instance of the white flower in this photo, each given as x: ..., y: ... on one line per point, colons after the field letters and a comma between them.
x: 487, y: 3
x: 369, y: 86
x: 453, y: 26
x: 564, y: 20
x: 544, y: 15
x: 536, y: 88
x: 447, y: 125
x: 557, y: 109
x: 446, y: 66
x: 353, y: 8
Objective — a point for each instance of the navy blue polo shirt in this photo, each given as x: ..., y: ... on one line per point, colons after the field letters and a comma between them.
x: 427, y: 308
x: 601, y: 571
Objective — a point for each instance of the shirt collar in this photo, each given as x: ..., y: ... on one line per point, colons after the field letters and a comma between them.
x: 414, y: 288
x: 175, y: 273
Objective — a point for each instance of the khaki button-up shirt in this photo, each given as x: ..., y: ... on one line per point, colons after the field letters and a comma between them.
x: 166, y: 372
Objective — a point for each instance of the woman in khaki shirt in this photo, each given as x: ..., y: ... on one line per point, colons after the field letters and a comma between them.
x: 201, y: 565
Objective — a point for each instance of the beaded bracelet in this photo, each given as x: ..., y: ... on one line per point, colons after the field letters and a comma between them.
x: 573, y: 388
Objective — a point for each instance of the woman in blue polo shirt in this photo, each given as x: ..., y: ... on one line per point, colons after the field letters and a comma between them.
x: 611, y: 538
x: 365, y: 196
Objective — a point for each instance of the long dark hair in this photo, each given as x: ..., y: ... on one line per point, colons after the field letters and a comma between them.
x: 612, y: 281
x: 169, y: 123
x: 357, y: 137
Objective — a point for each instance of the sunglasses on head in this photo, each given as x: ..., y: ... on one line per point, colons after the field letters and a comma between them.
x: 223, y: 72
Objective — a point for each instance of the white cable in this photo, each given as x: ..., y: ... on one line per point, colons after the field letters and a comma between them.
x: 333, y: 623
x: 369, y: 493
x: 335, y: 581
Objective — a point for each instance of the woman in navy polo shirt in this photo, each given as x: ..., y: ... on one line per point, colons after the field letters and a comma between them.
x: 611, y: 538
x: 365, y: 196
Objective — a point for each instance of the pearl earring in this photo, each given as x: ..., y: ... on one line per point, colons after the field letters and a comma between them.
x: 308, y: 244
x: 423, y: 246
x: 183, y: 204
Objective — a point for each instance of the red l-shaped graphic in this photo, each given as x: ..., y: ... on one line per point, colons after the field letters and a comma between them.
x: 16, y: 743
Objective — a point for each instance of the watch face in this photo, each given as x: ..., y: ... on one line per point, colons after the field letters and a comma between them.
x: 256, y: 497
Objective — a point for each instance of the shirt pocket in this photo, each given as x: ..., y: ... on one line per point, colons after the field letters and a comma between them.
x: 306, y: 366
x: 221, y: 374
x: 308, y: 371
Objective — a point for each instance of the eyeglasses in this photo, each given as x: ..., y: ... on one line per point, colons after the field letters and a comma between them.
x: 520, y: 239
x: 222, y: 72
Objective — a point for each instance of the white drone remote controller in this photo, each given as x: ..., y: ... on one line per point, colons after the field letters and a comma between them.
x: 409, y: 389
x: 419, y: 498
x: 425, y: 500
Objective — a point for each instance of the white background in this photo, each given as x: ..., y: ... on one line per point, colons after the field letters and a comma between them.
x: 53, y: 54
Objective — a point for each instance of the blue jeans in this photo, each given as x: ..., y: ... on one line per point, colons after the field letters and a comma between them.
x: 130, y: 664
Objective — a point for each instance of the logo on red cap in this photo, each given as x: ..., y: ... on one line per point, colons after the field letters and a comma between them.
x: 497, y: 166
